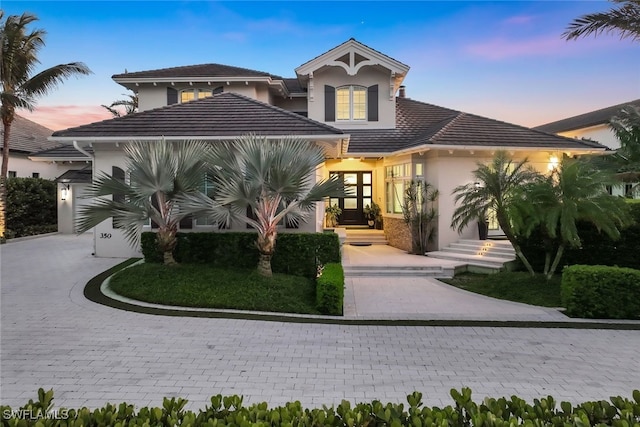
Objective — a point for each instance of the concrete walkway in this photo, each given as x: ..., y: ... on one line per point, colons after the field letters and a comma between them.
x: 52, y: 337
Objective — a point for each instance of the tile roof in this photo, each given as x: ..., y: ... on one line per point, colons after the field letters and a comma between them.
x: 62, y: 152
x: 294, y: 86
x: 26, y: 136
x: 76, y: 176
x: 585, y: 120
x: 200, y: 70
x: 224, y: 115
x: 419, y: 123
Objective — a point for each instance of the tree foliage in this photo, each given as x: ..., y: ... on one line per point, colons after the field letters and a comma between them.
x: 623, y: 20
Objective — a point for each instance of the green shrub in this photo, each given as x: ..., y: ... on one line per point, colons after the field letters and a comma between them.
x: 596, y: 249
x: 229, y: 411
x: 601, y: 292
x: 297, y: 254
x: 31, y: 206
x: 330, y: 289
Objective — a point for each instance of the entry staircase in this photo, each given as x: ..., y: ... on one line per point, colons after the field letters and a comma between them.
x: 365, y: 237
x: 479, y: 255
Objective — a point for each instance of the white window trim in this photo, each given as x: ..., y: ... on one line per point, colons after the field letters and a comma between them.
x: 351, y: 103
x: 196, y: 91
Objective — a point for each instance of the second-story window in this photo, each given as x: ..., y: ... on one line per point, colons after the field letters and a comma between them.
x: 351, y: 103
x: 191, y: 94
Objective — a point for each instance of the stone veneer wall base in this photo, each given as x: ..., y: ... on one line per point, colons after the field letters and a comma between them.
x: 397, y: 233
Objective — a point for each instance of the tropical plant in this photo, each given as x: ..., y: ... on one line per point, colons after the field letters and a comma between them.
x: 262, y: 183
x: 332, y: 212
x: 624, y: 20
x: 574, y: 191
x: 20, y: 87
x: 494, y: 189
x: 159, y: 173
x: 130, y: 105
x: 626, y: 126
x: 420, y: 214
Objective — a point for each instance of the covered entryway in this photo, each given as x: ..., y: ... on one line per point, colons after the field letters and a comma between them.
x: 359, y: 186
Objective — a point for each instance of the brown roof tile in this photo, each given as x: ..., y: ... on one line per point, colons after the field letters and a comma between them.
x: 27, y: 136
x: 200, y: 70
x: 224, y: 115
x: 585, y: 120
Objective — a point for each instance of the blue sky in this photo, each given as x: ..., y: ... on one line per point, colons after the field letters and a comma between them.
x: 505, y: 60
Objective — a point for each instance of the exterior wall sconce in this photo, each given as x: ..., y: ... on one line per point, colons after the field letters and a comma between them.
x: 553, y: 163
x: 64, y: 192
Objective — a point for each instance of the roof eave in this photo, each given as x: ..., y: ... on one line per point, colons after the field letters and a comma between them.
x: 119, y: 139
x: 427, y: 147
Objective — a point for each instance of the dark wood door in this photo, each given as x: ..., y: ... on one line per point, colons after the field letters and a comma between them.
x: 359, y: 186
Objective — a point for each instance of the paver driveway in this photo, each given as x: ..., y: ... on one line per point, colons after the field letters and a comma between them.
x: 52, y: 337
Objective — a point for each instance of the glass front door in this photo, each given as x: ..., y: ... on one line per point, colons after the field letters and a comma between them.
x: 359, y: 186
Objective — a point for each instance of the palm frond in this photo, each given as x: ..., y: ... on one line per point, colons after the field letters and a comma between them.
x: 624, y: 20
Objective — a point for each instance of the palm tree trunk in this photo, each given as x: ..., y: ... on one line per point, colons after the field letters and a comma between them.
x: 547, y: 262
x: 556, y: 261
x: 3, y: 177
x: 504, y: 223
x: 167, y: 241
x: 266, y: 245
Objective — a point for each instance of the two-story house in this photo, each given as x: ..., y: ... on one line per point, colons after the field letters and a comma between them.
x: 349, y: 100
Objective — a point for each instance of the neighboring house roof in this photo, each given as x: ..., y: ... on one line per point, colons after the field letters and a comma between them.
x: 585, y: 120
x: 227, y: 114
x: 419, y: 124
x: 294, y: 86
x: 61, y: 153
x: 76, y: 176
x: 28, y: 137
x: 200, y: 70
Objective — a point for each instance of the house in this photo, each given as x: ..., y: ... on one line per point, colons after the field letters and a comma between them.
x: 594, y: 126
x: 26, y: 138
x: 349, y: 100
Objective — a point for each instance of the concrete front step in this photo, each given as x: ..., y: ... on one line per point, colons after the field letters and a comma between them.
x: 477, y: 260
x: 398, y: 271
x: 484, y: 247
x: 493, y: 254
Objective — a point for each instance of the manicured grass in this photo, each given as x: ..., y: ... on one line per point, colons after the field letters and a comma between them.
x: 196, y: 285
x: 512, y: 286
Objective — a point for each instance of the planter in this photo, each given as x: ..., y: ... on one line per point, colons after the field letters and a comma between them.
x: 371, y: 223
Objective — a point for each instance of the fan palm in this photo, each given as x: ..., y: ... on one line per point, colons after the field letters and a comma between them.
x: 494, y: 189
x: 159, y: 174
x: 130, y: 105
x: 575, y: 191
x: 625, y: 20
x: 262, y: 183
x: 20, y: 89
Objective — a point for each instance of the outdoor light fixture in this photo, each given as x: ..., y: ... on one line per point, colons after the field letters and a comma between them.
x: 553, y: 162
x: 64, y: 192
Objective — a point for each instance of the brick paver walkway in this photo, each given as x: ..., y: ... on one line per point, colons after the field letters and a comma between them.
x: 52, y: 337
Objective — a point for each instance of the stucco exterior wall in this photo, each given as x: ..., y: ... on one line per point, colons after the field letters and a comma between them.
x: 25, y: 167
x: 150, y: 97
x: 68, y: 208
x: 601, y: 133
x: 367, y: 76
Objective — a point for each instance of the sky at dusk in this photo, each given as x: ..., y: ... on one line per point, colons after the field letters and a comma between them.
x: 505, y: 60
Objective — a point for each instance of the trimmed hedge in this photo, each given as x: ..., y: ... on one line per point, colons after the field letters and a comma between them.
x: 330, y: 289
x: 597, y: 248
x: 298, y: 254
x: 601, y: 292
x: 229, y: 411
x: 31, y: 207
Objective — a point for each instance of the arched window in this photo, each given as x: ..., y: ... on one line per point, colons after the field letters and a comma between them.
x: 351, y: 103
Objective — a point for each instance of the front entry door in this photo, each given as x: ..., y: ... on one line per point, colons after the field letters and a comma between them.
x: 359, y: 186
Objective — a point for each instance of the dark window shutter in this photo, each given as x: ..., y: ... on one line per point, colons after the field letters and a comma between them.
x: 329, y: 103
x: 217, y: 90
x: 172, y: 96
x: 251, y: 215
x: 154, y: 203
x: 118, y: 174
x: 372, y: 103
x: 186, y: 223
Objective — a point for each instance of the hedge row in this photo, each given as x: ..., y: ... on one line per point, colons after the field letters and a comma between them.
x: 31, y: 207
x: 296, y: 253
x: 601, y: 292
x: 330, y: 289
x: 229, y: 411
x: 597, y: 248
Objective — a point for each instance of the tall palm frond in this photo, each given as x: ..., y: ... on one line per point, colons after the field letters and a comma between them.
x: 624, y: 20
x: 130, y: 105
x: 261, y: 182
x: 159, y: 173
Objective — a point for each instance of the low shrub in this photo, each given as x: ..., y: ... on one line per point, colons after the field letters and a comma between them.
x: 298, y: 254
x: 229, y: 411
x: 330, y: 289
x: 31, y: 207
x: 601, y: 292
x: 596, y: 249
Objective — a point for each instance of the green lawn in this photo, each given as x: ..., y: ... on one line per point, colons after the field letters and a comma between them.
x: 512, y: 286
x: 192, y: 285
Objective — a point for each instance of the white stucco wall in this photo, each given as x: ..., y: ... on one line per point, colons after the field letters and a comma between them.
x: 68, y: 208
x: 25, y: 167
x: 600, y: 133
x: 367, y: 76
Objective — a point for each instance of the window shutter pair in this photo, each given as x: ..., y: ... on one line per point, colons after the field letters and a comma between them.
x: 172, y: 96
x: 330, y: 103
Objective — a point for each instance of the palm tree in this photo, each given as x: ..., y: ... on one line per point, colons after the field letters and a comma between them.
x: 495, y: 188
x: 262, y: 183
x: 159, y: 174
x: 575, y: 191
x: 130, y: 105
x: 624, y: 20
x: 20, y: 89
x: 626, y: 126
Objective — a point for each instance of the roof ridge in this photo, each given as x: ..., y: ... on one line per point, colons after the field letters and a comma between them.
x: 446, y: 127
x: 191, y: 66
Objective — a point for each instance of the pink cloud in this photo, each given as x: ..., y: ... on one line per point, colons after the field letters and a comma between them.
x: 58, y: 117
x: 518, y: 19
x: 502, y: 48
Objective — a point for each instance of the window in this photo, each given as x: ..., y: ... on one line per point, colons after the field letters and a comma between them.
x: 191, y: 94
x: 351, y: 103
x: 206, y: 188
x: 35, y: 175
x: 398, y: 178
x: 12, y: 174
